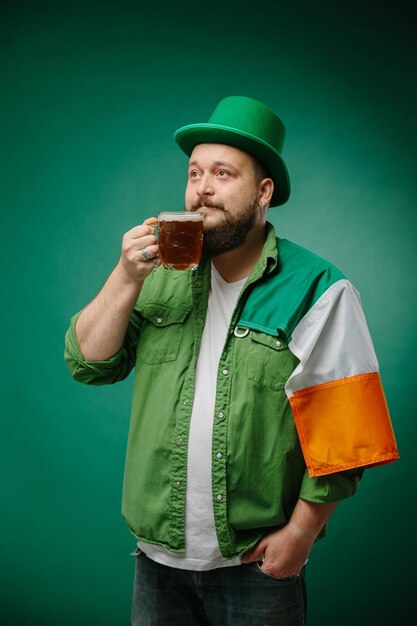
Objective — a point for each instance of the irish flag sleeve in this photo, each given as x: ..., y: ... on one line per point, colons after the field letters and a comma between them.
x: 335, y: 392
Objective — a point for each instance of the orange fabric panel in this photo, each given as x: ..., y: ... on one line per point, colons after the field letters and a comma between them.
x: 344, y: 424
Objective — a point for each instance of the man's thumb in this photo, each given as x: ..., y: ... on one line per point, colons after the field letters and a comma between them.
x: 255, y: 554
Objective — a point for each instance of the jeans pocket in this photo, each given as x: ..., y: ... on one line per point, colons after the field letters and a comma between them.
x: 284, y: 581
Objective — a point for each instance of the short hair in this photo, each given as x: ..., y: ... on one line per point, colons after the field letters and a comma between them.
x: 259, y: 169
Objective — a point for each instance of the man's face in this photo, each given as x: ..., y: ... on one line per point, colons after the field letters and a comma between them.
x: 222, y: 186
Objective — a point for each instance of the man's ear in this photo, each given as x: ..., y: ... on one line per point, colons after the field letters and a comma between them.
x: 266, y: 189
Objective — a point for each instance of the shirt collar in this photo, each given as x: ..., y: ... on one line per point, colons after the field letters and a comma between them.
x: 268, y: 260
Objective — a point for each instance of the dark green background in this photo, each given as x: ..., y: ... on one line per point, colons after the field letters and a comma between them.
x: 91, y: 93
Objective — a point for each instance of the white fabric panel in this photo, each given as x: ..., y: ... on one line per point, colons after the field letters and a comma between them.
x: 332, y: 340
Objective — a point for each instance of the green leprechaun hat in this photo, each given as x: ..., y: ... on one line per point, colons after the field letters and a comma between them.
x: 249, y: 125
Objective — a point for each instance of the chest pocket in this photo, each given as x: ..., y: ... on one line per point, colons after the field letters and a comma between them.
x: 161, y: 333
x: 270, y: 361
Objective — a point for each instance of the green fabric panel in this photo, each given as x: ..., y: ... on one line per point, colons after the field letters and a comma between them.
x: 278, y: 303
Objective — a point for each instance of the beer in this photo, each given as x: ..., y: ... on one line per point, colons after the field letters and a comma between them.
x: 180, y: 238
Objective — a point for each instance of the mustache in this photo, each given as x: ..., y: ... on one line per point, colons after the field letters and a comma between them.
x: 203, y: 202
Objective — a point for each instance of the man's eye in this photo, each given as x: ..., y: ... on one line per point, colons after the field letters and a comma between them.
x: 223, y: 173
x: 193, y: 174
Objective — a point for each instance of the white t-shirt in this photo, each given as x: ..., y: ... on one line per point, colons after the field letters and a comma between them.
x: 202, y: 548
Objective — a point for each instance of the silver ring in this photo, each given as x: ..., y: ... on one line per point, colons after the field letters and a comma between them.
x: 145, y: 254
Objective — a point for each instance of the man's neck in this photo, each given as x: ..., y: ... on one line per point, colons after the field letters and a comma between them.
x: 238, y: 263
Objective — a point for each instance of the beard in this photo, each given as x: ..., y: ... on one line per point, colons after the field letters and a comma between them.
x: 232, y: 231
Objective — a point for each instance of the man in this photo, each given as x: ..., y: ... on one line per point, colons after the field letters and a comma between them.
x: 257, y: 400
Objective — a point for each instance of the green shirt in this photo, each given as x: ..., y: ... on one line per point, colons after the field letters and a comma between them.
x: 260, y: 473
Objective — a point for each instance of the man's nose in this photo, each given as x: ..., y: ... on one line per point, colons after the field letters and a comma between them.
x: 205, y: 186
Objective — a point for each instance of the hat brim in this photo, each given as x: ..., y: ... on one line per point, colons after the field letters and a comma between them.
x: 189, y: 136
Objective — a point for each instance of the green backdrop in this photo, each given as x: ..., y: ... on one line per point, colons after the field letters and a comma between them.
x: 91, y: 94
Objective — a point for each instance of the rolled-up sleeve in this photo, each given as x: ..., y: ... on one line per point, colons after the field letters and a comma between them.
x: 330, y: 488
x: 110, y: 370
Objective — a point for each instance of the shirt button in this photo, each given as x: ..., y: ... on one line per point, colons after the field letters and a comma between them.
x: 159, y: 320
x: 185, y: 402
x: 180, y: 441
x: 278, y: 343
x: 221, y: 414
x: 178, y: 484
x: 225, y: 372
x: 200, y: 320
x: 219, y: 455
x: 219, y: 497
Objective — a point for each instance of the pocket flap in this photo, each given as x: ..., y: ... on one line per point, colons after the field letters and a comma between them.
x: 276, y: 343
x: 163, y: 315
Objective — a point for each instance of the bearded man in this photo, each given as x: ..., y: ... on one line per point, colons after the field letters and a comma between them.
x: 257, y: 400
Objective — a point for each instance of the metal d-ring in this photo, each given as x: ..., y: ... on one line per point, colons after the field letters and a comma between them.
x: 239, y: 334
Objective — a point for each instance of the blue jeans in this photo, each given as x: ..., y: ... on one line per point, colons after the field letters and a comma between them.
x: 229, y: 596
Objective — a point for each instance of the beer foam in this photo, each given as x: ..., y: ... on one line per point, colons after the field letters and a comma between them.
x: 184, y: 216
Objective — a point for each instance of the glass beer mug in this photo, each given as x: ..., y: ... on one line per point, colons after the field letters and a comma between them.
x: 180, y: 238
